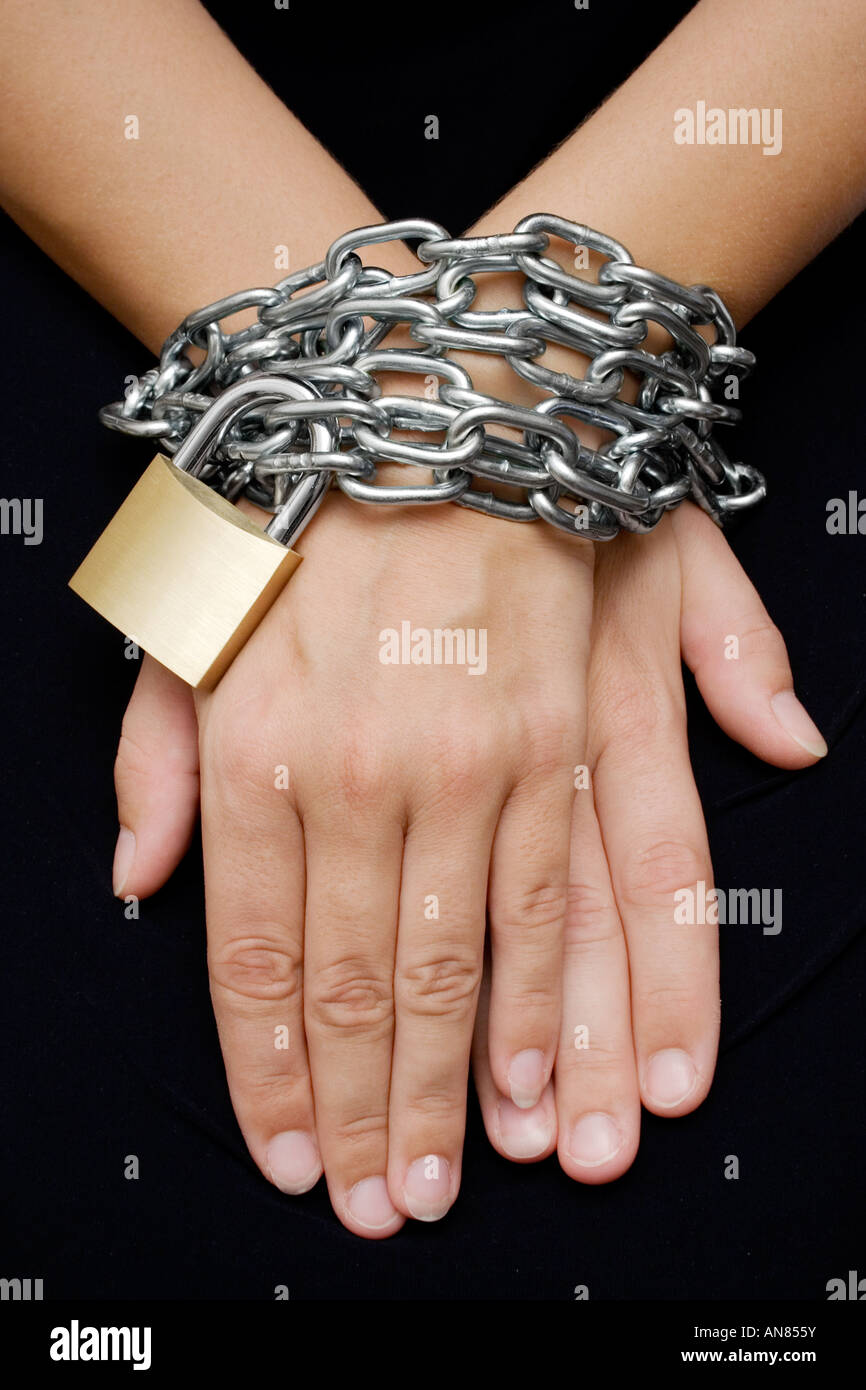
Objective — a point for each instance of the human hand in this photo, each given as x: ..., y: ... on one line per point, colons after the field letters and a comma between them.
x: 348, y: 907
x: 644, y: 988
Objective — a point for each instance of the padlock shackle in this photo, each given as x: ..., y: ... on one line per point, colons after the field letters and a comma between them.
x: 305, y: 497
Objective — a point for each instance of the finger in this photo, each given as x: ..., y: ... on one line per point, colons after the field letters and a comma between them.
x: 652, y: 825
x: 254, y: 879
x: 597, y: 1092
x: 156, y: 780
x: 440, y: 947
x: 656, y: 845
x: 524, y: 1136
x: 528, y: 882
x: 735, y: 650
x: 353, y: 884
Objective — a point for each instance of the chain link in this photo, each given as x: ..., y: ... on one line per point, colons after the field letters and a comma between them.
x: 310, y: 328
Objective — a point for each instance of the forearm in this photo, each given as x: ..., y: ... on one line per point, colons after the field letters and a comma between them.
x: 722, y: 214
x: 220, y: 176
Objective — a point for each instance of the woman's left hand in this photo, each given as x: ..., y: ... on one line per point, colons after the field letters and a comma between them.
x: 640, y: 1018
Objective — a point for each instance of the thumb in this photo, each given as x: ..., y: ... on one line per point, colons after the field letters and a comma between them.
x: 736, y: 652
x: 156, y: 779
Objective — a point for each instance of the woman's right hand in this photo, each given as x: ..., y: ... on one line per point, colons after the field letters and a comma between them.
x: 358, y: 819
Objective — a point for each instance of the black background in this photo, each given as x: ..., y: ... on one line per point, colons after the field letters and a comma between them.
x: 108, y: 1043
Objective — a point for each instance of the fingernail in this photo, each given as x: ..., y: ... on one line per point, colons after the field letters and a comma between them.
x: 526, y: 1078
x: 427, y: 1189
x: 594, y: 1140
x: 124, y: 853
x: 369, y: 1204
x: 670, y: 1077
x: 293, y: 1162
x: 524, y: 1133
x: 797, y: 723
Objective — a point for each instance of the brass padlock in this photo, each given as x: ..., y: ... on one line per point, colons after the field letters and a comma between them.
x: 179, y: 569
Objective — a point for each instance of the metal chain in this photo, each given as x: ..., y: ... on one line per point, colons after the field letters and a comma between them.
x: 310, y: 327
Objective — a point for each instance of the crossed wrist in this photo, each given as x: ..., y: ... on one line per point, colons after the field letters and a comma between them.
x: 498, y: 421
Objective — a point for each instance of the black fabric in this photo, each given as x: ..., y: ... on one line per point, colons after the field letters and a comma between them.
x: 108, y: 1042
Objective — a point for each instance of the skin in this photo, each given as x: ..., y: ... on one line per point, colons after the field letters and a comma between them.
x: 406, y: 782
x: 403, y: 781
x: 644, y: 988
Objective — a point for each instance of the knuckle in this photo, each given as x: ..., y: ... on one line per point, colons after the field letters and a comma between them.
x: 442, y: 986
x: 601, y: 1060
x: 680, y: 997
x: 349, y: 995
x: 353, y: 1131
x: 260, y: 967
x: 269, y: 1092
x: 655, y: 871
x: 235, y: 756
x: 538, y: 907
x: 638, y: 715
x: 440, y: 1106
x: 132, y: 758
x: 359, y: 1140
x: 135, y: 760
x: 527, y: 1005
x: 458, y: 766
x: 548, y: 739
x: 590, y: 916
x: 759, y: 639
x: 361, y: 774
